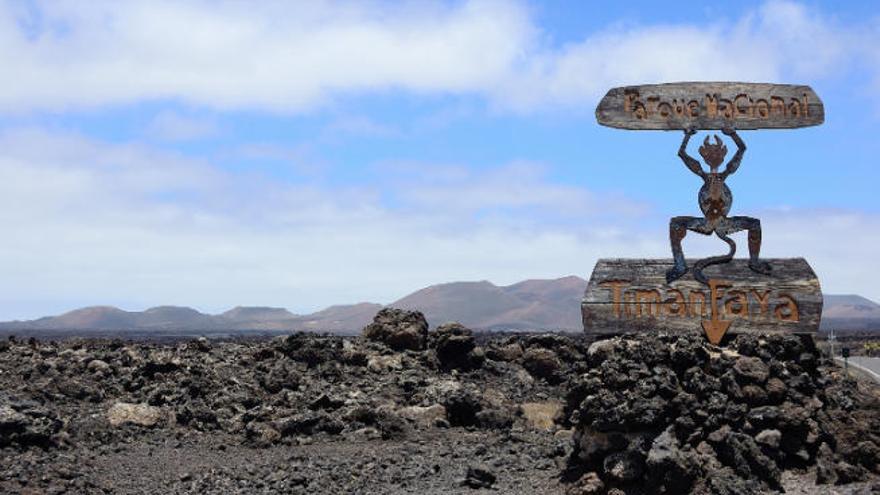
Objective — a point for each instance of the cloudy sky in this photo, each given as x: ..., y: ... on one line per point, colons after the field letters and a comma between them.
x: 301, y: 154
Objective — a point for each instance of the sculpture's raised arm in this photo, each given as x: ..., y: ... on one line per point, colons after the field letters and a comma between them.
x: 688, y: 160
x: 734, y: 162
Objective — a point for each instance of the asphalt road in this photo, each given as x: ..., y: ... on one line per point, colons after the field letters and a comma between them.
x: 871, y: 364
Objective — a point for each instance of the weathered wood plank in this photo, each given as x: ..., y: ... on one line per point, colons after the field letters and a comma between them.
x: 632, y: 295
x: 710, y: 105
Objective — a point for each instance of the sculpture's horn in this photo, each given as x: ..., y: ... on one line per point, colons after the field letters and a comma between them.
x: 717, y: 140
x: 706, y: 141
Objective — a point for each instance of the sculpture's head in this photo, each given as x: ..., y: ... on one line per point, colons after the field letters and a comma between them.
x: 713, y: 153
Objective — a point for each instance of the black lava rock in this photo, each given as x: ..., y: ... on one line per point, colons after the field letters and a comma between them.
x: 670, y: 414
x: 479, y: 476
x: 454, y: 344
x: 398, y: 329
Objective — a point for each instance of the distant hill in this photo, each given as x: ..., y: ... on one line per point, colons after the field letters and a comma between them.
x: 110, y: 318
x: 850, y: 306
x: 98, y: 317
x: 528, y: 305
x: 533, y: 304
x: 344, y: 319
x: 849, y: 313
x: 244, y: 314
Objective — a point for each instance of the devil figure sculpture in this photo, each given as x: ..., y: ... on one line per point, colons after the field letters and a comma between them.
x: 715, y: 201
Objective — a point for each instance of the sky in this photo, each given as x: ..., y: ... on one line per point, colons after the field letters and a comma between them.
x: 304, y: 154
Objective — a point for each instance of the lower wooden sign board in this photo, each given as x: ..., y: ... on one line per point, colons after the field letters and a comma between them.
x: 632, y: 295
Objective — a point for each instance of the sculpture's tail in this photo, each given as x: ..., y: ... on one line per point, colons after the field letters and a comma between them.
x: 714, y: 260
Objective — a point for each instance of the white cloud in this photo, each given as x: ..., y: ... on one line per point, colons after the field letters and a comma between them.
x: 276, y: 56
x: 516, y: 186
x: 169, y: 125
x: 839, y: 244
x: 92, y: 223
x: 358, y: 125
x: 292, y: 57
x: 88, y: 222
x: 778, y: 41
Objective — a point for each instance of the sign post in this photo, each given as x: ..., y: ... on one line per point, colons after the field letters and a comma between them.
x: 754, y: 295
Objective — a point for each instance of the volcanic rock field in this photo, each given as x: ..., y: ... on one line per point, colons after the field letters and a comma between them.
x: 400, y: 409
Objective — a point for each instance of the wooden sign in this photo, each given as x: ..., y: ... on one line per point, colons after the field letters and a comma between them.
x: 710, y: 105
x: 632, y: 295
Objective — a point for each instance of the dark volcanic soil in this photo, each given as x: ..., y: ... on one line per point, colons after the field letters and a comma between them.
x: 407, y: 414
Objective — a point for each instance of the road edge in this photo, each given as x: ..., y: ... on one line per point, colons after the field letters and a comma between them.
x: 860, y: 369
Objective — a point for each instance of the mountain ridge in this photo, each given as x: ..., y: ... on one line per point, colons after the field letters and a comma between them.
x: 534, y: 304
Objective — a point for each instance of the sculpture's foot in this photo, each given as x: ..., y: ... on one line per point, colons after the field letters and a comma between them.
x: 675, y: 273
x: 761, y: 267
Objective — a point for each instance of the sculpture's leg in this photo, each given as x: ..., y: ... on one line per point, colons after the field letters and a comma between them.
x: 677, y: 232
x: 753, y: 226
x: 678, y: 227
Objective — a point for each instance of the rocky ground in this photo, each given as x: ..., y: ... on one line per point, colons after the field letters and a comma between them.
x: 402, y: 410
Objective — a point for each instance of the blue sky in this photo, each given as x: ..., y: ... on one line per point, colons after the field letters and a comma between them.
x: 212, y: 154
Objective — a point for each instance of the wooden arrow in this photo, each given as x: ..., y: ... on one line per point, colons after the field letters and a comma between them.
x: 716, y: 327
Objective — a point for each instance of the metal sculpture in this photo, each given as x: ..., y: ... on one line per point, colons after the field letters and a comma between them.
x: 715, y: 200
x: 631, y: 295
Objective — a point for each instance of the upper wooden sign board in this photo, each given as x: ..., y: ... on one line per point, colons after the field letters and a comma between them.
x: 710, y: 105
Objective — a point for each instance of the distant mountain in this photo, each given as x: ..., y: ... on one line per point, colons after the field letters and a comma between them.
x: 532, y: 304
x: 247, y: 314
x: 850, y: 313
x: 97, y: 317
x: 110, y: 318
x: 850, y: 306
x: 465, y: 302
x: 173, y: 317
x: 528, y: 305
x: 345, y: 319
